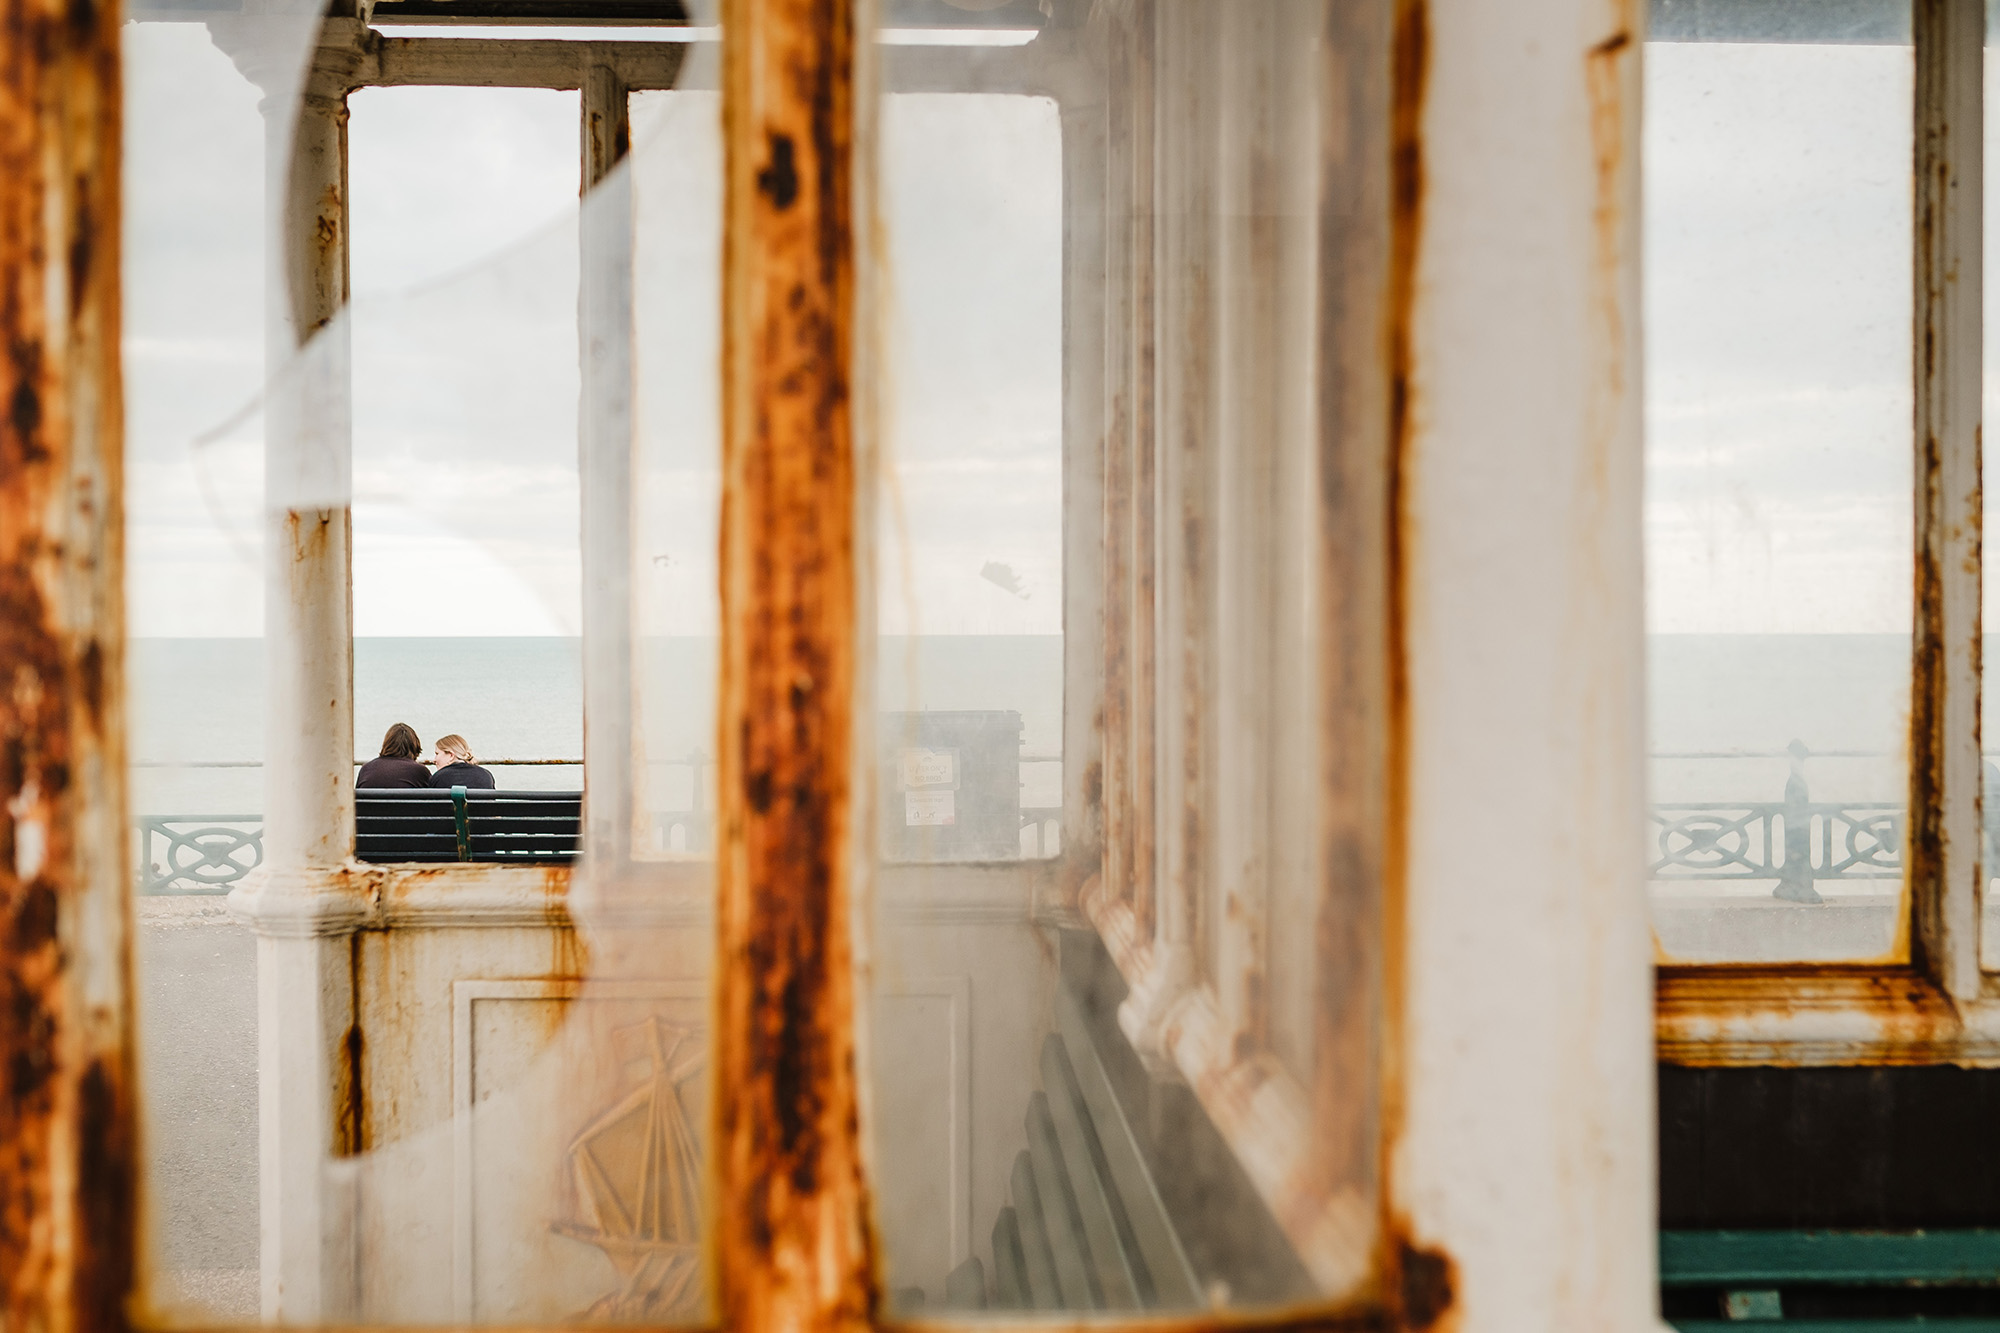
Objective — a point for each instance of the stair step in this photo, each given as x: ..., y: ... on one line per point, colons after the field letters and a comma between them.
x: 1083, y: 1160
x: 1010, y: 1269
x: 1160, y: 1262
x: 1061, y: 1220
x: 965, y: 1285
x: 1043, y: 1291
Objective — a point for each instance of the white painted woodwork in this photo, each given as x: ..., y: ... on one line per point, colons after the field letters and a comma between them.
x: 1525, y: 1150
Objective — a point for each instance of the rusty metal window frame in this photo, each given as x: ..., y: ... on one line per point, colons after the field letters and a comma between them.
x: 1939, y: 1006
x: 793, y: 1242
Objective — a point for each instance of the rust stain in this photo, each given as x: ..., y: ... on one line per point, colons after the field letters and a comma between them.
x: 350, y: 1078
x: 1114, y: 778
x: 1410, y: 62
x: 67, y: 1127
x: 1320, y: 1320
x: 1426, y: 1286
x: 1603, y: 76
x: 1702, y: 1014
x: 1923, y: 850
x: 1422, y: 1285
x: 793, y: 1241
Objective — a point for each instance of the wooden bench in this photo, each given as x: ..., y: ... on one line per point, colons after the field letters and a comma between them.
x: 1822, y: 1281
x: 467, y: 824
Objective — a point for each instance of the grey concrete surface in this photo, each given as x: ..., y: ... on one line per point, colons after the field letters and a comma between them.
x: 197, y: 992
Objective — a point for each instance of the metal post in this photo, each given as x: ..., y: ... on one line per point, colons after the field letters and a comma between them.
x: 1795, y: 876
x: 793, y: 1242
x: 305, y: 910
x: 67, y: 1151
x: 309, y: 774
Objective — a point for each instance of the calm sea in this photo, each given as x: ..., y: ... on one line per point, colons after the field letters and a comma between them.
x: 198, y: 702
x: 201, y: 701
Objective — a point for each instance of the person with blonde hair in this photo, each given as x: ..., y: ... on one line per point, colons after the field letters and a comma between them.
x: 455, y: 766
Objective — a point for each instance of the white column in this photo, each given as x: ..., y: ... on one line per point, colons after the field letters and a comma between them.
x: 1084, y: 435
x: 304, y: 908
x: 604, y: 447
x: 308, y: 600
x: 1183, y: 416
x: 1525, y: 1160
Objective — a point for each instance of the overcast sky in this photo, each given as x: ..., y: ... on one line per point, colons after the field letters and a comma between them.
x: 464, y: 217
x: 1777, y: 291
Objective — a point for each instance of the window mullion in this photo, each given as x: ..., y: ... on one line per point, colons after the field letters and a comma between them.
x: 1945, y: 828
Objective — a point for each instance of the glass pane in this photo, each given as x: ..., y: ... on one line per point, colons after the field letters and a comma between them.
x: 441, y: 1058
x: 971, y: 613
x: 677, y: 177
x: 463, y: 225
x: 1099, y: 521
x: 1777, y: 268
x: 194, y: 365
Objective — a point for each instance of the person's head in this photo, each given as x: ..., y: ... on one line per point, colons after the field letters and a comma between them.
x: 400, y: 742
x: 454, y: 748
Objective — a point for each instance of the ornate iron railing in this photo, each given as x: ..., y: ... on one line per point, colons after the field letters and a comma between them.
x: 1796, y: 841
x: 209, y: 854
x: 197, y: 854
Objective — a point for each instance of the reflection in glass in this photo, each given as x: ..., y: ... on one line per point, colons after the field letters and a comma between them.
x: 971, y: 653
x: 193, y: 357
x: 448, y: 1070
x: 1779, y: 566
x: 1100, y: 521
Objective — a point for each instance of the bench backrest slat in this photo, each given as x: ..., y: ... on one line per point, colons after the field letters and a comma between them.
x: 456, y: 824
x: 1831, y: 1258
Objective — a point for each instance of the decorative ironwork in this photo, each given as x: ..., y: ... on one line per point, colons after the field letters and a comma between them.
x: 1796, y: 841
x: 197, y: 854
x: 1754, y: 840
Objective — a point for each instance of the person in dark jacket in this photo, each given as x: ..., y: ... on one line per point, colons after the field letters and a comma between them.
x: 455, y: 766
x: 397, y: 765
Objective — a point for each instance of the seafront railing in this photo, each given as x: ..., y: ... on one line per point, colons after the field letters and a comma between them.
x: 196, y: 855
x: 1795, y: 841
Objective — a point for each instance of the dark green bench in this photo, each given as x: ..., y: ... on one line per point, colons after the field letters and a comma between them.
x: 460, y: 824
x: 1823, y: 1281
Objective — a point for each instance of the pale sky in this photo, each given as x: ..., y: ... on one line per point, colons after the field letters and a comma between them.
x: 465, y: 381
x: 1777, y: 324
x: 1777, y: 230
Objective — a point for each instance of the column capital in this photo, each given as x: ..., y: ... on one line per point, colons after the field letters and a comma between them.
x: 306, y: 903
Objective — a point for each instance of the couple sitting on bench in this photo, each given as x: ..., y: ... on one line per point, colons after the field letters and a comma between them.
x: 398, y: 765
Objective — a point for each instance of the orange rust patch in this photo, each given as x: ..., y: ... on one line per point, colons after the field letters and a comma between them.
x: 66, y: 1117
x: 1409, y: 72
x: 793, y: 1241
x: 1426, y: 1286
x: 1703, y: 1015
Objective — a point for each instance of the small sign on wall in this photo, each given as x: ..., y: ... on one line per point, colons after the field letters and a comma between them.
x: 929, y: 781
x: 929, y: 808
x: 924, y: 767
x: 958, y: 774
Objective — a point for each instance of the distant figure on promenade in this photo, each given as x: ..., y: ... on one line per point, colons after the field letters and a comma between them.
x: 455, y: 766
x: 397, y: 765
